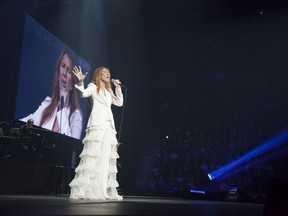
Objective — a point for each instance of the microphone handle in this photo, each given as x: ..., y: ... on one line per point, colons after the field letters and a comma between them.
x: 62, y: 101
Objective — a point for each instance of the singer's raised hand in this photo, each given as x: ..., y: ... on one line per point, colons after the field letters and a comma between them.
x: 77, y: 71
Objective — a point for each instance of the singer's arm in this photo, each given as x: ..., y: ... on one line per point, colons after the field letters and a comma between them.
x: 70, y: 126
x: 36, y: 116
x: 76, y: 122
x: 117, y: 99
x: 86, y: 92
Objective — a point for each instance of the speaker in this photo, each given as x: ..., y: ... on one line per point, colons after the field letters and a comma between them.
x: 276, y: 202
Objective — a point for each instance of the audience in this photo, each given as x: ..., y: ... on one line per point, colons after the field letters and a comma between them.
x: 192, y: 144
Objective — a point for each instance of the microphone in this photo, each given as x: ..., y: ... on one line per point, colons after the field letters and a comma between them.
x: 62, y: 101
x: 113, y: 80
x: 62, y: 104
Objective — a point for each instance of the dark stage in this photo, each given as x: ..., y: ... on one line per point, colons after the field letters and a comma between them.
x: 130, y: 205
x: 207, y: 98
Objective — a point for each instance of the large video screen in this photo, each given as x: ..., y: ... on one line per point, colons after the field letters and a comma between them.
x: 46, y: 93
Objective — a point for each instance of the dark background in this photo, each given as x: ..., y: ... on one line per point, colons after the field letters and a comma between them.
x: 215, y: 65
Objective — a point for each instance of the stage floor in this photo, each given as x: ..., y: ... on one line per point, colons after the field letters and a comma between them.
x: 130, y: 205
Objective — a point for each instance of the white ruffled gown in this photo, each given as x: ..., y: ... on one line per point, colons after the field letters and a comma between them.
x: 95, y: 176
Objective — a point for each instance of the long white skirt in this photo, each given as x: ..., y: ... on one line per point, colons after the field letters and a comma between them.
x: 95, y: 176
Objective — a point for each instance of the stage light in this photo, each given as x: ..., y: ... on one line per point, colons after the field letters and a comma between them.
x: 253, y: 157
x: 210, y: 176
x: 197, y: 191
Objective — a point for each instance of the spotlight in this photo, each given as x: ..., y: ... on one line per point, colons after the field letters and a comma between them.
x: 253, y: 157
x: 210, y: 177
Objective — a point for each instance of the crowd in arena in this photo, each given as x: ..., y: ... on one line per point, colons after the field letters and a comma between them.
x: 192, y: 143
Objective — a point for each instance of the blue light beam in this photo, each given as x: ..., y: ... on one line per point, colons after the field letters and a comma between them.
x: 233, y: 167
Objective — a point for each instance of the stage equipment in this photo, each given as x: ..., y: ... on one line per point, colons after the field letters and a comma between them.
x: 20, y: 140
x: 35, y: 160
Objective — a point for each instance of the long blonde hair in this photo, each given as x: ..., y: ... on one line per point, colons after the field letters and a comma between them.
x: 96, y: 80
x: 97, y: 76
x: 73, y: 99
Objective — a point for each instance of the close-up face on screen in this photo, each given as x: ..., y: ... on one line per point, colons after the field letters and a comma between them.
x: 46, y: 92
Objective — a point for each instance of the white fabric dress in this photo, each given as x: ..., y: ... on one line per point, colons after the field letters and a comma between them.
x: 96, y: 174
x: 70, y: 127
